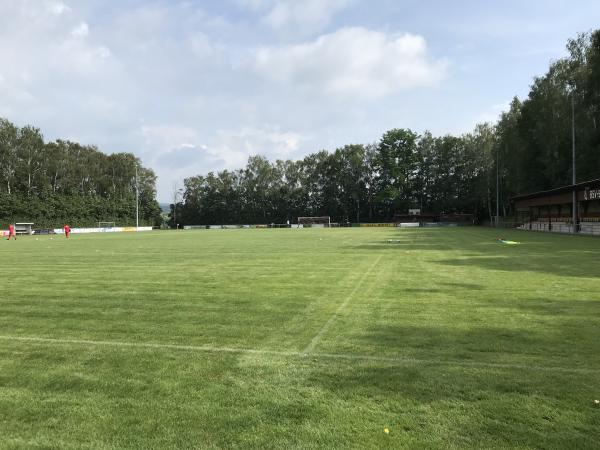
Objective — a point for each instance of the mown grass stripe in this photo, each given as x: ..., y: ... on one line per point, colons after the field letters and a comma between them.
x: 315, y: 340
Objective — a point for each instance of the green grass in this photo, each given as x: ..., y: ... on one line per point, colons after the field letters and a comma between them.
x: 300, y: 338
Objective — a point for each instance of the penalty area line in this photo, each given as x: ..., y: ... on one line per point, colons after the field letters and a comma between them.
x: 150, y: 345
x: 315, y: 340
x: 399, y: 361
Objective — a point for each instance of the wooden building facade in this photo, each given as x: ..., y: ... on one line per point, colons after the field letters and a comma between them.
x: 552, y: 210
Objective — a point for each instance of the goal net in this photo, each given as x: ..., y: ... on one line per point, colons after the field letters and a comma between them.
x: 320, y: 221
x: 106, y: 224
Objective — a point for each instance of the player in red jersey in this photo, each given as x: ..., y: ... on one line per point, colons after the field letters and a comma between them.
x: 67, y: 229
x: 11, y: 232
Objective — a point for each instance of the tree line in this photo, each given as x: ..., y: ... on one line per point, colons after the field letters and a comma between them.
x: 528, y: 149
x: 354, y: 183
x: 52, y: 183
x: 534, y: 137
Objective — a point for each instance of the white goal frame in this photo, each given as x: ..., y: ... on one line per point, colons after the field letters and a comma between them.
x: 106, y: 224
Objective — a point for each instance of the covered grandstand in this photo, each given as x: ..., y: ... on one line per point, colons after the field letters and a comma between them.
x: 552, y: 210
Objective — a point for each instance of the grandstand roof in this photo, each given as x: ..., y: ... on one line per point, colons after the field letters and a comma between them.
x: 560, y: 190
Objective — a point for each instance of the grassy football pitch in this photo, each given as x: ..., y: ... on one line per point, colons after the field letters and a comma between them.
x: 316, y: 338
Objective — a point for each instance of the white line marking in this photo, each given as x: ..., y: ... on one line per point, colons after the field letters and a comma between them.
x: 198, y: 348
x: 315, y: 340
x: 404, y: 361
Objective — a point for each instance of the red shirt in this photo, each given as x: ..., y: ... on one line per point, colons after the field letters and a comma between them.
x: 67, y: 229
x: 11, y: 228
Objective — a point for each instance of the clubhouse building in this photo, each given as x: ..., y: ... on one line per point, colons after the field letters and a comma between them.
x: 552, y: 210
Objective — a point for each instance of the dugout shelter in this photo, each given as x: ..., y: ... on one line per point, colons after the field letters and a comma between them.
x: 24, y: 228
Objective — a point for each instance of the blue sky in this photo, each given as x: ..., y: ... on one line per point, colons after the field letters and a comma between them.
x: 194, y: 86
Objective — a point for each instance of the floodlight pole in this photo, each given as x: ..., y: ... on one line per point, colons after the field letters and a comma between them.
x: 574, y: 207
x: 137, y: 199
x: 497, y: 185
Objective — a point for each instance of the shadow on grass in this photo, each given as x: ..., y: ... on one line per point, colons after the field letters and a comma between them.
x: 469, y: 286
x: 423, y: 290
x: 548, y: 254
x: 443, y: 290
x: 516, y: 359
x: 491, y: 408
x: 463, y: 343
x: 582, y: 266
x: 587, y: 310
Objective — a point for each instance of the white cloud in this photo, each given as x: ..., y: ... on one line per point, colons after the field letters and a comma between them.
x: 296, y: 16
x: 312, y: 14
x: 58, y: 8
x: 266, y: 140
x: 82, y: 30
x: 254, y: 4
x: 167, y: 137
x: 201, y: 45
x: 353, y: 62
x: 179, y: 151
x: 232, y: 147
x: 102, y: 52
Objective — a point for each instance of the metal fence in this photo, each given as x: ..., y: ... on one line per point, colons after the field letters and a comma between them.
x: 585, y: 228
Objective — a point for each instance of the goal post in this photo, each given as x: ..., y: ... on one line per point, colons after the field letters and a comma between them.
x: 106, y: 224
x: 315, y: 221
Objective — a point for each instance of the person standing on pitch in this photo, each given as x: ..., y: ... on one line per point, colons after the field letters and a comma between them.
x: 11, y: 232
x: 67, y: 230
